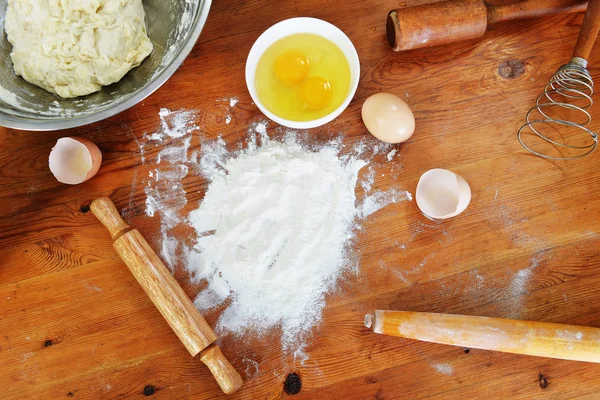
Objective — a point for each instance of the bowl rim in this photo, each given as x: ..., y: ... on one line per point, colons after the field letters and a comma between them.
x: 265, y: 40
x: 138, y: 96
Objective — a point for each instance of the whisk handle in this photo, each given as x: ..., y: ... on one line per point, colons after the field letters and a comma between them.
x: 589, y: 30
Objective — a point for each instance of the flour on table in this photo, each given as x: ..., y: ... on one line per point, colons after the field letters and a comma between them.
x: 378, y: 200
x: 368, y: 180
x: 391, y: 154
x: 232, y: 102
x: 519, y: 286
x: 252, y: 367
x: 281, y: 217
x: 174, y: 124
x: 443, y: 368
x: 164, y: 187
x: 274, y: 229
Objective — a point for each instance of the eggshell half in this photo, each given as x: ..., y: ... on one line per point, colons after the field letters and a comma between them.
x: 74, y: 160
x: 388, y: 118
x: 442, y: 194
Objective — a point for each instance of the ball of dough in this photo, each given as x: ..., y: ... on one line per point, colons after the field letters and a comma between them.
x: 388, y: 118
x: 73, y: 48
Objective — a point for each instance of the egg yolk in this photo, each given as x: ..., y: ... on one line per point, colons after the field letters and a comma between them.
x: 315, y: 92
x: 291, y: 67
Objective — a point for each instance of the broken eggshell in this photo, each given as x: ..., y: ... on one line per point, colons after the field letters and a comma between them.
x: 74, y: 160
x: 442, y: 194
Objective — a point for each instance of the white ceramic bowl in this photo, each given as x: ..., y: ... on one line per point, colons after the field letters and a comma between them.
x: 290, y: 27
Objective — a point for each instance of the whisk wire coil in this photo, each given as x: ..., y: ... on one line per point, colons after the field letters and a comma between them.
x: 571, y: 81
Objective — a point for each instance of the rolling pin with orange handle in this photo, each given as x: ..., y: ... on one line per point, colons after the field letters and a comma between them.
x: 166, y: 294
x: 451, y: 21
x: 567, y: 342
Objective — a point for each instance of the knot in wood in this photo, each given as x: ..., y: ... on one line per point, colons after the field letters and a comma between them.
x: 149, y: 390
x: 292, y: 384
x: 511, y: 69
x: 543, y: 381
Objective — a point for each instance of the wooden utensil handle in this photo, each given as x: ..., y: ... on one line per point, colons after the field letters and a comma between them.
x: 567, y: 342
x: 108, y: 215
x: 227, y: 377
x: 166, y: 294
x: 589, y: 30
x: 435, y: 24
x: 451, y: 21
x: 532, y: 9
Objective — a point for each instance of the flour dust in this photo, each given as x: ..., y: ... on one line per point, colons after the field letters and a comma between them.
x: 275, y: 228
x: 164, y: 189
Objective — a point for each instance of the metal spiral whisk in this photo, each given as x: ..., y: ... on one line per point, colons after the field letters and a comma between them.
x: 570, y: 88
x: 568, y: 93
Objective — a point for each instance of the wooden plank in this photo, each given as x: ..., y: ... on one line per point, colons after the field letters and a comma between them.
x: 74, y: 322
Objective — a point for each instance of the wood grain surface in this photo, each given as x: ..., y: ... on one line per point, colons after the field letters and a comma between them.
x: 74, y: 323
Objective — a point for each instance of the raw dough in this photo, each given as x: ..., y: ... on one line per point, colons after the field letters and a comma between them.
x: 74, y: 47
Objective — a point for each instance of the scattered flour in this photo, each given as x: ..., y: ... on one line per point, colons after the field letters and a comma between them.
x: 519, y: 282
x: 252, y: 367
x: 275, y: 215
x: 174, y: 124
x: 300, y: 355
x: 91, y: 287
x: 445, y: 369
x: 261, y: 128
x: 274, y: 229
x: 568, y: 338
x: 368, y: 180
x: 164, y: 188
x: 391, y: 154
x: 232, y: 101
x: 378, y: 200
x: 518, y: 288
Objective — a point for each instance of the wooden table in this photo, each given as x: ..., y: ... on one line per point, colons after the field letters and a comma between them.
x: 75, y: 324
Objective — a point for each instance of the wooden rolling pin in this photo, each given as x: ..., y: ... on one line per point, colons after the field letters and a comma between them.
x: 166, y: 294
x: 567, y: 342
x: 455, y: 20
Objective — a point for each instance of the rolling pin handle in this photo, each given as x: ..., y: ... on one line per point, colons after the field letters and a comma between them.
x: 166, y: 294
x: 449, y: 21
x: 435, y: 24
x: 227, y: 377
x: 106, y: 212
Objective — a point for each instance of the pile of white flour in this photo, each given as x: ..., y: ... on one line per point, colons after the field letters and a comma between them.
x: 274, y: 228
x: 272, y: 234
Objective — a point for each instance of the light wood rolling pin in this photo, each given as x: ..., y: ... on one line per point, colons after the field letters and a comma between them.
x: 567, y: 342
x: 166, y: 294
x: 451, y: 21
